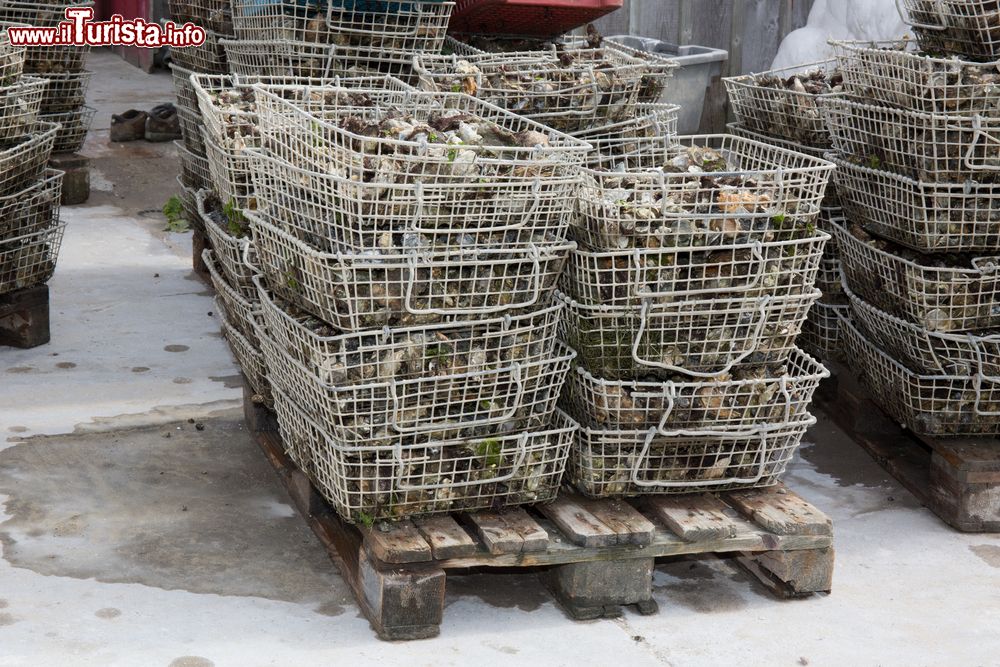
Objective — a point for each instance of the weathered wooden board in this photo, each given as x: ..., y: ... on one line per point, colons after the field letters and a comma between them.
x: 577, y: 523
x: 694, y: 518
x: 446, y: 537
x: 398, y: 542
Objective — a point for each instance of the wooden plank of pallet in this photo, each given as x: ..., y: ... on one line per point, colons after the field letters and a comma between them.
x: 445, y: 536
x: 24, y: 317
x: 396, y: 542
x: 511, y: 532
x: 780, y: 512
x: 577, y: 523
x: 630, y: 526
x: 694, y: 518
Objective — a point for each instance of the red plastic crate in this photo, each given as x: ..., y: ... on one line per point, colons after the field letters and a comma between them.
x: 537, y: 18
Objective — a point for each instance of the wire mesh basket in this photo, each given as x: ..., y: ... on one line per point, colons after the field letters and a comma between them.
x: 187, y: 97
x: 969, y: 27
x: 73, y: 128
x: 507, y: 183
x: 208, y: 58
x: 670, y: 275
x: 660, y: 69
x: 230, y: 169
x: 11, y: 57
x: 926, y: 147
x: 30, y: 259
x: 611, y: 463
x: 64, y: 59
x: 228, y: 232
x: 569, y: 91
x: 896, y: 73
x: 413, y: 476
x: 828, y: 279
x: 33, y: 209
x: 44, y: 14
x: 241, y: 313
x: 189, y: 203
x: 742, y: 400
x: 23, y: 160
x: 392, y: 355
x: 309, y: 61
x: 924, y: 351
x: 699, y: 338
x: 946, y: 294
x: 393, y: 28
x: 713, y: 189
x: 929, y: 217
x: 249, y: 358
x: 65, y: 92
x: 19, y: 107
x: 374, y: 289
x: 490, y: 402
x: 640, y: 142
x: 821, y: 330
x: 214, y: 15
x: 784, y: 102
x: 195, y: 172
x: 927, y: 404
x: 191, y: 131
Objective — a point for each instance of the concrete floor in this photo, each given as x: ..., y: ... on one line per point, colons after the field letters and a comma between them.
x: 130, y: 536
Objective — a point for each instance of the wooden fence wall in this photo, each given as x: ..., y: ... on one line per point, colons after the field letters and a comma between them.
x: 750, y: 30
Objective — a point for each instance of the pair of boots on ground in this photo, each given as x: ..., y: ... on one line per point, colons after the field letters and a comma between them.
x: 159, y: 124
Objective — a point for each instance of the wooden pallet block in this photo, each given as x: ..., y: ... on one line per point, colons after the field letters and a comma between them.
x: 597, y: 555
x: 956, y: 478
x: 199, y: 243
x: 24, y: 317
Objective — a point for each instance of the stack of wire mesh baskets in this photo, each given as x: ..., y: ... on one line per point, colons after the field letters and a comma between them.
x: 30, y: 229
x: 64, y: 98
x: 783, y: 107
x: 916, y: 138
x: 409, y: 245
x: 696, y: 270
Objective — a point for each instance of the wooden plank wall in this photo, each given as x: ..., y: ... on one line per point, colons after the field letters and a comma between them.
x: 750, y: 30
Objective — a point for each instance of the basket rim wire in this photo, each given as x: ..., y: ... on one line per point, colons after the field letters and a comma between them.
x: 230, y: 251
x: 40, y: 139
x: 278, y: 58
x: 586, y: 400
x: 240, y: 311
x: 616, y: 141
x: 737, y: 129
x: 248, y: 358
x: 76, y: 126
x: 977, y: 38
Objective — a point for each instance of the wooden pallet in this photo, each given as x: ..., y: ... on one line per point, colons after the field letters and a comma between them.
x: 956, y: 478
x: 24, y: 317
x: 595, y: 556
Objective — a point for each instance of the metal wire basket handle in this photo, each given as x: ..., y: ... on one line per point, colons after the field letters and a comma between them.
x: 903, y: 14
x: 516, y: 378
x: 987, y: 266
x: 418, y: 191
x: 978, y: 133
x: 397, y: 452
x: 247, y: 247
x: 536, y: 292
x: 382, y: 29
x: 978, y: 379
x: 754, y: 340
x: 756, y: 251
x: 653, y: 432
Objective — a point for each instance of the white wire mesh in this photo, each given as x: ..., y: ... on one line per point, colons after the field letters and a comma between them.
x: 19, y: 106
x: 570, y: 91
x: 926, y: 404
x: 188, y: 197
x: 209, y: 58
x: 45, y: 14
x: 191, y: 131
x: 926, y: 351
x: 241, y: 313
x: 388, y: 355
x: 712, y: 189
x: 969, y: 27
x: 744, y: 399
x: 387, y: 27
x: 73, y: 128
x: 698, y: 338
x: 938, y: 293
x: 184, y: 88
x: 669, y: 275
x: 249, y: 358
x: 30, y: 259
x: 828, y: 279
x: 659, y: 70
x: 357, y: 169
x: 23, y: 160
x: 55, y: 59
x: 33, y: 209
x: 230, y: 170
x: 309, y: 61
x: 214, y: 15
x: 65, y: 92
x: 784, y: 103
x: 926, y: 147
x: 229, y: 234
x: 417, y: 475
x: 375, y: 289
x: 959, y: 216
x: 641, y: 142
x: 896, y: 73
x: 821, y: 331
x: 195, y: 172
x: 610, y: 463
x: 11, y: 57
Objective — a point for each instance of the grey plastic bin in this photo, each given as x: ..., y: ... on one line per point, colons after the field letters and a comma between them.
x: 698, y: 64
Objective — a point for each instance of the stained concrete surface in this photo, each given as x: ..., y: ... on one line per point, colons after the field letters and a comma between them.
x: 106, y: 561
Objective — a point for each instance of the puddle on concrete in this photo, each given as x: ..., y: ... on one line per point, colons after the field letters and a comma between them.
x: 229, y: 381
x: 832, y: 453
x: 194, y: 512
x: 176, y: 348
x: 7, y: 619
x: 704, y: 584
x: 191, y: 661
x: 108, y: 613
x: 17, y: 429
x: 498, y: 589
x: 140, y: 369
x: 990, y: 553
x: 20, y: 370
x: 66, y: 364
x: 182, y: 380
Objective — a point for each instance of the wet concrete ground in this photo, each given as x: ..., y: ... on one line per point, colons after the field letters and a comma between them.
x: 123, y: 546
